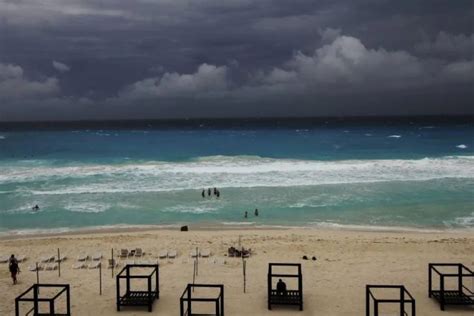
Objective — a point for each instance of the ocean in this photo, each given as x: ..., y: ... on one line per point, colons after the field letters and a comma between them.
x: 376, y: 174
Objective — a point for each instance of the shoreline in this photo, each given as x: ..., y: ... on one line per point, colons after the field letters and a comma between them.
x: 211, y: 227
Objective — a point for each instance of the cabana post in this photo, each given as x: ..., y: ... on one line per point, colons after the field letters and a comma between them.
x: 36, y: 299
x: 187, y: 299
x: 461, y: 294
x: 136, y: 297
x: 286, y: 297
x: 404, y: 299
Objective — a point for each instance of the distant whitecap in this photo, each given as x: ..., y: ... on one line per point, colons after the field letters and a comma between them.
x: 2, y: 137
x: 395, y: 136
x: 368, y: 134
x: 462, y: 146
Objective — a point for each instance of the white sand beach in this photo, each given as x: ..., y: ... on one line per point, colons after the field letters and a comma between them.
x: 334, y: 284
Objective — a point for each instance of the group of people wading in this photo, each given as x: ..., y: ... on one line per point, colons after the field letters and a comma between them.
x: 215, y: 192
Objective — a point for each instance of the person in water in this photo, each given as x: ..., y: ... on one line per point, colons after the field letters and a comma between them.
x: 281, y: 287
x: 256, y: 212
x: 35, y: 208
x: 203, y: 193
x: 209, y: 192
x: 218, y: 193
x: 14, y: 268
x: 246, y: 214
x: 215, y: 191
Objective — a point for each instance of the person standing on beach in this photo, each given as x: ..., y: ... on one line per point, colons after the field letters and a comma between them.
x: 14, y: 268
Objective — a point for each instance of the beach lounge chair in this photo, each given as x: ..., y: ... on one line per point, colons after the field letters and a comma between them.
x: 82, y: 257
x: 32, y: 267
x: 21, y: 258
x: 4, y: 259
x: 97, y: 256
x: 94, y: 265
x: 51, y: 266
x: 123, y: 253
x: 112, y: 263
x: 79, y: 265
x: 61, y: 259
x: 138, y: 252
x: 206, y: 253
x: 130, y: 262
x: 194, y: 253
x: 131, y: 253
x: 47, y: 258
x: 163, y: 254
x: 172, y: 254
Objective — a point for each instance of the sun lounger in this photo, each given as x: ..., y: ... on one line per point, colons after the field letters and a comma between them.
x: 112, y: 263
x: 94, y: 265
x: 82, y: 257
x: 61, y: 259
x: 138, y: 252
x: 79, y: 265
x: 4, y: 259
x: 47, y: 258
x: 163, y: 254
x: 172, y: 254
x: 194, y: 253
x: 131, y: 253
x: 33, y: 267
x: 206, y: 253
x: 51, y: 267
x: 130, y: 262
x: 97, y: 256
x: 123, y: 253
x: 21, y: 258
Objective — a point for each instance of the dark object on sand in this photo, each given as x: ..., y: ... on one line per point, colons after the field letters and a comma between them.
x: 314, y: 258
x: 32, y: 295
x: 234, y: 252
x: 143, y: 297
x: 305, y: 257
x: 404, y: 298
x: 448, y: 273
x: 287, y: 297
x: 184, y: 228
x: 186, y: 300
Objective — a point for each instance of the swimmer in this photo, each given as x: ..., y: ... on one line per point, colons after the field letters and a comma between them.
x: 35, y: 208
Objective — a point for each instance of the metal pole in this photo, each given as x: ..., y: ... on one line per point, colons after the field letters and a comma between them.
x: 100, y: 278
x: 59, y: 263
x: 37, y: 274
x: 245, y: 274
x: 197, y: 260
x: 113, y: 263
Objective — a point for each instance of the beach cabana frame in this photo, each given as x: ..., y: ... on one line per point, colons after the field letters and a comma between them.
x: 461, y: 294
x: 187, y: 299
x: 405, y: 300
x: 37, y: 299
x: 138, y: 297
x: 290, y: 297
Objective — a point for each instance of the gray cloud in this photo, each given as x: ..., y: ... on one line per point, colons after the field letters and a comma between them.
x: 449, y: 45
x: 61, y: 67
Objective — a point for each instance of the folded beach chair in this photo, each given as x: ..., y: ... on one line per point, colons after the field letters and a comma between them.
x: 123, y: 253
x: 131, y: 253
x: 32, y: 267
x: 51, y: 267
x: 172, y: 254
x: 97, y: 256
x: 112, y: 263
x: 163, y: 254
x: 194, y: 253
x: 138, y: 252
x: 206, y: 253
x: 82, y: 257
x: 47, y: 258
x: 130, y: 262
x: 21, y: 258
x: 4, y: 259
x: 79, y: 265
x: 61, y: 259
x: 94, y: 265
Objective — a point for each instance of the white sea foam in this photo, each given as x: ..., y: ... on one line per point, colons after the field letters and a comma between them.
x: 229, y: 172
x: 395, y: 136
x: 88, y: 207
x: 462, y: 146
x: 2, y: 137
x: 194, y: 209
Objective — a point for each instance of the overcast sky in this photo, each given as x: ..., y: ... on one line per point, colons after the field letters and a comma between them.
x: 109, y: 59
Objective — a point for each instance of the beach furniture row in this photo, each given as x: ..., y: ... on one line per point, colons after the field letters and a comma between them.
x: 448, y: 284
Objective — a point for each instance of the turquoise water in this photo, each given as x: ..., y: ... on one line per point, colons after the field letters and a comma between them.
x: 414, y: 176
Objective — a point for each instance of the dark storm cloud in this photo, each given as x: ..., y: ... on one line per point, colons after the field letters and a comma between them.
x: 167, y: 58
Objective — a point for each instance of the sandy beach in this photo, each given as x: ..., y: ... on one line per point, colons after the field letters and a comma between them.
x: 334, y: 284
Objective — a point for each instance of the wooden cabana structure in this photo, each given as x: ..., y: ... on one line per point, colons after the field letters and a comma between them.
x: 286, y: 297
x: 187, y: 299
x: 144, y: 297
x: 403, y: 298
x: 32, y: 295
x: 458, y: 274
